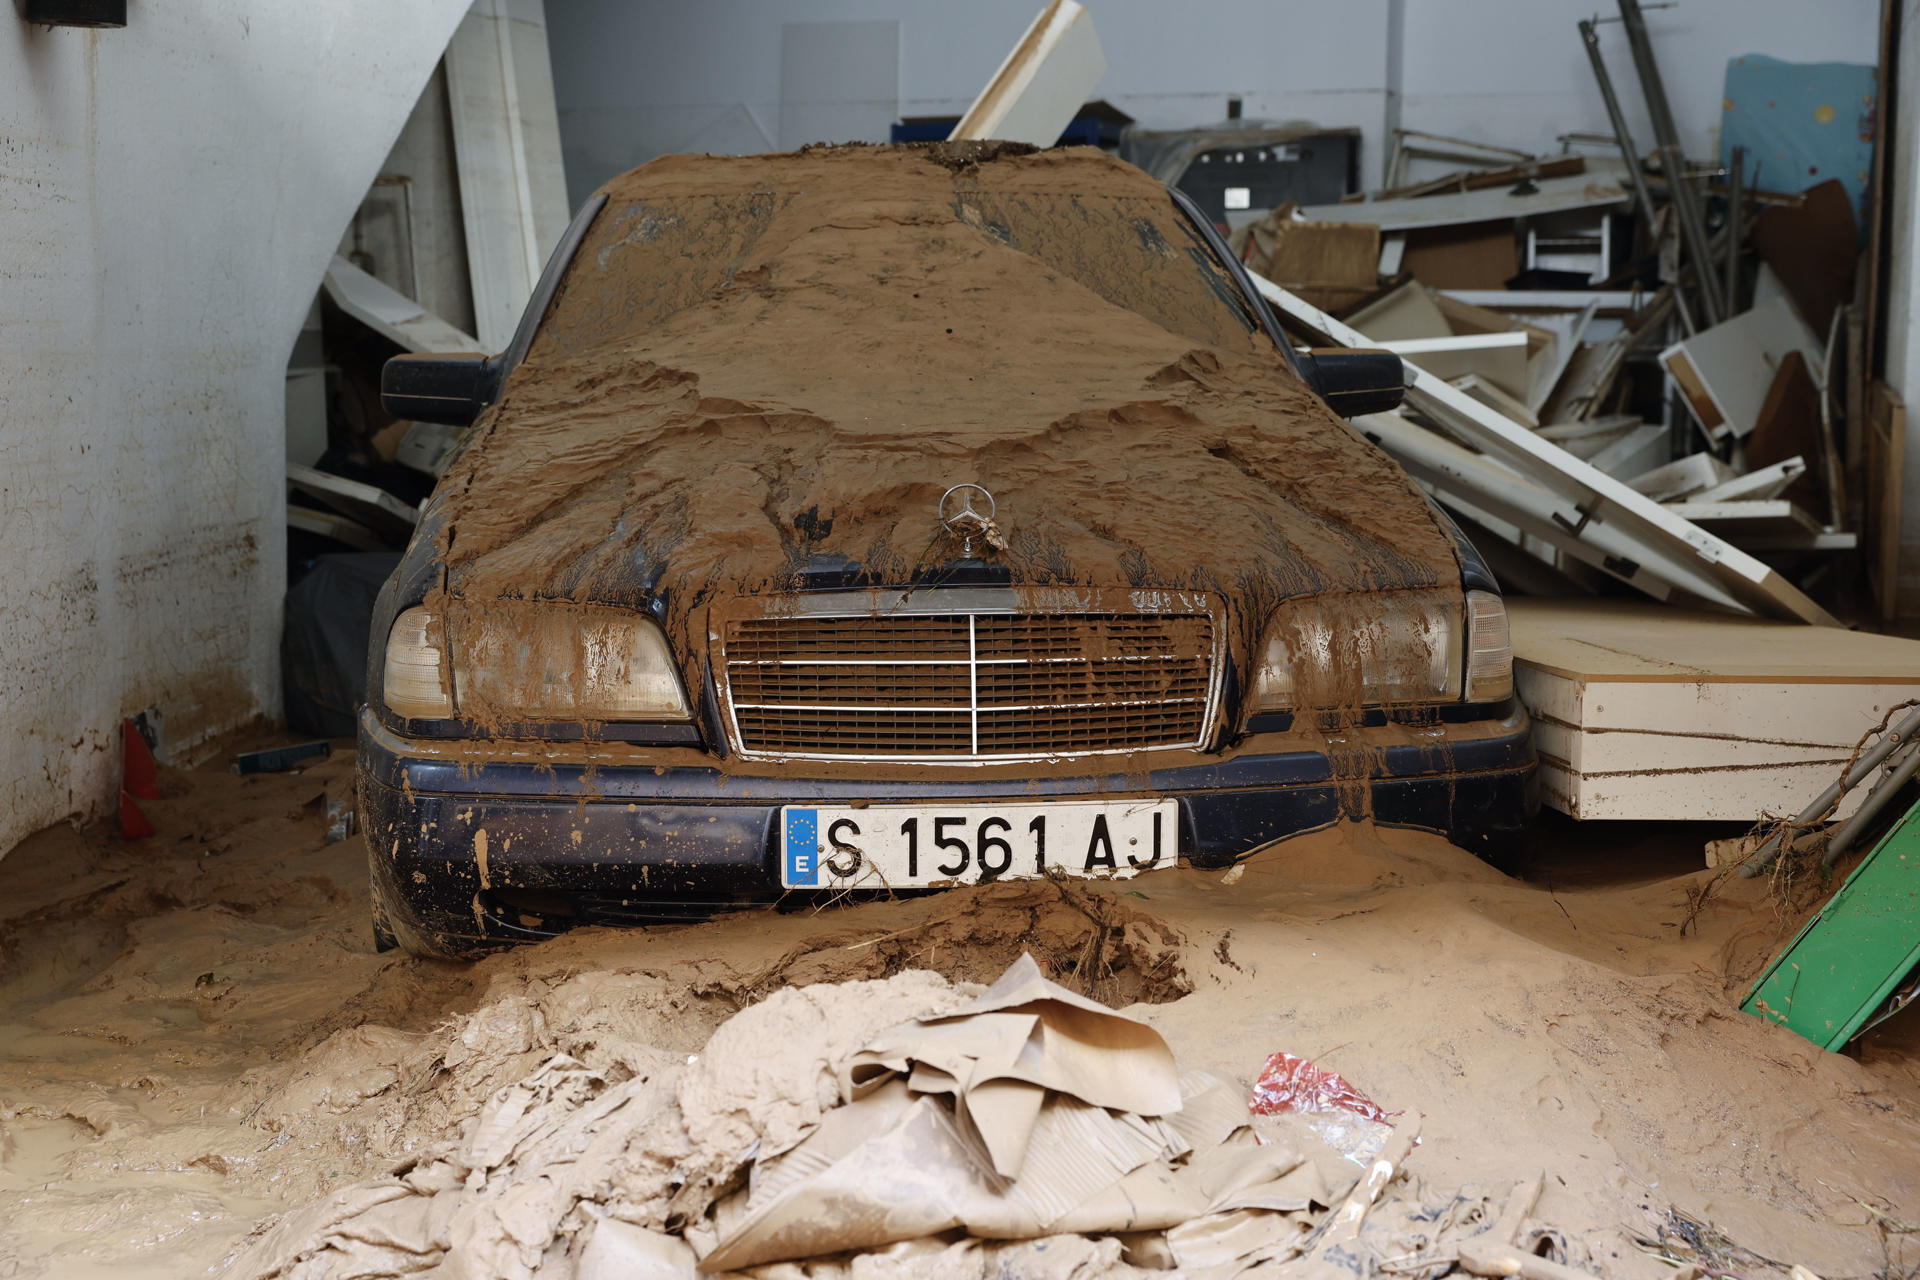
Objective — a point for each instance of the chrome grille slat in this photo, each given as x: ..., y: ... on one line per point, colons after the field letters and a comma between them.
x: 969, y: 684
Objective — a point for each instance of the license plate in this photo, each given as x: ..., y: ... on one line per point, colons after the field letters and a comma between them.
x: 898, y: 846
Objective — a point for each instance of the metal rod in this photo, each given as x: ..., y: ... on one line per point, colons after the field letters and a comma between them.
x: 1642, y: 197
x: 1735, y: 214
x: 1672, y: 159
x: 1882, y: 794
x: 1905, y: 731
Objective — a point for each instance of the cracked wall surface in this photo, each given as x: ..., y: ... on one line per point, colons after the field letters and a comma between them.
x: 172, y: 192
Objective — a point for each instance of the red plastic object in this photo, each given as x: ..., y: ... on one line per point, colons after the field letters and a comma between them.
x: 1288, y: 1083
x: 139, y: 773
x: 133, y: 823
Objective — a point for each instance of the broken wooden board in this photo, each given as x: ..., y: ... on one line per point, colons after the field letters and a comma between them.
x: 392, y: 314
x: 1665, y: 548
x: 1043, y: 82
x: 1333, y: 265
x: 369, y: 504
x: 1649, y: 712
x: 1725, y: 372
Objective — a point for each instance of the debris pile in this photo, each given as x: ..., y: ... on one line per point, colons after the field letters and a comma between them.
x: 1680, y: 344
x: 1018, y: 1130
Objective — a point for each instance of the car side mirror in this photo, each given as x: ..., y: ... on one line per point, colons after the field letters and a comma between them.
x: 450, y: 388
x: 1354, y: 382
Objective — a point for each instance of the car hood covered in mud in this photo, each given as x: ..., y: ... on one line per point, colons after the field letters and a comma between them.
x: 758, y: 366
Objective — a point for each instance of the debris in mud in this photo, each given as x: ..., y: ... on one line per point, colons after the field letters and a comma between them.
x: 834, y: 1119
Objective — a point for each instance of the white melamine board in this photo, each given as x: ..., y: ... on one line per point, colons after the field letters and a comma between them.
x: 1599, y: 186
x: 1043, y: 82
x: 1767, y: 482
x: 1687, y: 555
x: 1734, y: 362
x: 1656, y: 713
x: 390, y: 313
x: 1682, y: 476
x: 1490, y: 486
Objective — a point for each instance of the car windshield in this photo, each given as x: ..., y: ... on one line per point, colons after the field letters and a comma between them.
x: 650, y: 258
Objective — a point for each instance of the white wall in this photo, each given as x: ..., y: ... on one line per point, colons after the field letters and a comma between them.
x: 641, y: 79
x: 172, y: 194
x: 1515, y: 73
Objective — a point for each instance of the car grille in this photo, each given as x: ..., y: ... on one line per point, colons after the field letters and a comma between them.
x: 969, y: 685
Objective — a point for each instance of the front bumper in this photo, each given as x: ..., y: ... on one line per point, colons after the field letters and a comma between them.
x: 491, y: 849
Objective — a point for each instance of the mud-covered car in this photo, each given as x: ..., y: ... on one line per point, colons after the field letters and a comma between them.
x: 871, y: 519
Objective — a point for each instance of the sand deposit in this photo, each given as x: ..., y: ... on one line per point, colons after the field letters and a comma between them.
x: 198, y: 1045
x: 763, y: 366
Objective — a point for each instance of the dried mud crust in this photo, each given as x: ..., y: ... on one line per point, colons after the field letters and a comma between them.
x: 761, y: 364
x: 1100, y: 946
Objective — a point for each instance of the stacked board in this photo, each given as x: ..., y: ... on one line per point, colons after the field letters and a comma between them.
x: 1643, y: 711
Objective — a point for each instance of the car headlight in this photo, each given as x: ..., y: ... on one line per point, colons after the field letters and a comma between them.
x: 416, y: 683
x: 1366, y: 650
x: 1489, y: 649
x: 528, y: 662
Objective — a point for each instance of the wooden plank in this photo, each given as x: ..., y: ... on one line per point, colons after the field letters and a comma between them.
x: 1770, y: 481
x: 369, y: 504
x: 1495, y: 399
x: 1043, y: 82
x: 1669, y: 547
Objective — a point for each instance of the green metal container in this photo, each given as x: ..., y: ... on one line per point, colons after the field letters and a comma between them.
x: 1852, y: 957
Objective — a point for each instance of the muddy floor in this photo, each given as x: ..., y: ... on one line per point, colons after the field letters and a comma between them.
x: 196, y: 1034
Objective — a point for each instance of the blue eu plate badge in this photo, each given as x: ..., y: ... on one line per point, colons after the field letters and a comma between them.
x: 803, y: 847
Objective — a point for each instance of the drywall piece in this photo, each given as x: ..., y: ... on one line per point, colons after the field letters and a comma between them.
x: 839, y: 81
x: 329, y: 524
x: 1662, y: 545
x: 1682, y: 476
x: 1495, y: 399
x: 1546, y: 373
x: 1724, y: 372
x: 1404, y: 313
x: 1584, y: 437
x: 367, y: 503
x: 1765, y: 482
x: 1600, y: 187
x: 1043, y: 83
x: 1649, y: 712
x: 390, y: 313
x: 1634, y: 454
x: 506, y: 143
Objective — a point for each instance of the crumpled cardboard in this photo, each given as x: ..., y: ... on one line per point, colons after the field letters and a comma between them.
x: 1030, y: 1112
